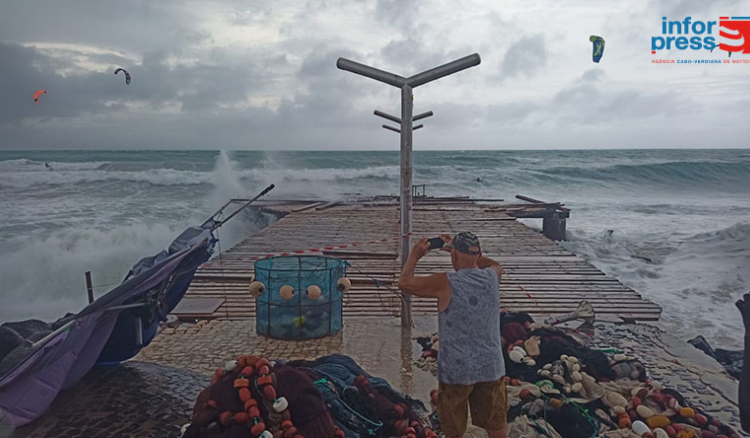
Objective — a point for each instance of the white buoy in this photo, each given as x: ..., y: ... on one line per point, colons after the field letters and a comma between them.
x: 286, y: 292
x: 280, y: 404
x: 313, y: 292
x: 344, y: 284
x: 256, y: 289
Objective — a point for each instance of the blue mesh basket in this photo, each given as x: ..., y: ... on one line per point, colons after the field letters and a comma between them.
x: 299, y: 317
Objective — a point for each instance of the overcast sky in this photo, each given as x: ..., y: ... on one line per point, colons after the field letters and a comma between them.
x: 262, y: 75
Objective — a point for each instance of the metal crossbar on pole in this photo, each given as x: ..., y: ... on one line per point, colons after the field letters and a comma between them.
x: 391, y: 128
x: 407, y: 86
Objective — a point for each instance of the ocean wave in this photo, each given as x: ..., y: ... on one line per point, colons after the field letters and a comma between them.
x: 168, y: 177
x: 696, y: 278
x: 323, y: 174
x: 673, y: 173
x: 26, y: 165
x: 158, y: 177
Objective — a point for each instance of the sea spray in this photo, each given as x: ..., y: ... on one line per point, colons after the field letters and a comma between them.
x: 227, y: 185
x: 42, y: 276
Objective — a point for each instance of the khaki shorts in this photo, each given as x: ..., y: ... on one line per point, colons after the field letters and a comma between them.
x: 488, y: 402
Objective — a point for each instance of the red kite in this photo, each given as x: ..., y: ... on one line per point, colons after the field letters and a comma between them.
x: 38, y: 93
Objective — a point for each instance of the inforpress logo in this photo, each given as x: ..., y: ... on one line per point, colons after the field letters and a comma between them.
x: 677, y: 35
x: 730, y: 34
x: 735, y: 34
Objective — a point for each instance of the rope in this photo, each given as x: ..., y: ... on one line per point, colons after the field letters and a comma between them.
x: 378, y: 284
x: 376, y: 424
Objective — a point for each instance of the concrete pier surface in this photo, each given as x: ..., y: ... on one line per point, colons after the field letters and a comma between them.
x: 153, y: 395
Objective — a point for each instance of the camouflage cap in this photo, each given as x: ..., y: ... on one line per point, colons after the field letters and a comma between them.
x: 466, y: 242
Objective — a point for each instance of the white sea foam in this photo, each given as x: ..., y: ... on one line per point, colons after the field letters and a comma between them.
x: 695, y: 278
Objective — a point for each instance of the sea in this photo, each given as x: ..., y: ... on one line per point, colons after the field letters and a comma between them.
x: 672, y: 224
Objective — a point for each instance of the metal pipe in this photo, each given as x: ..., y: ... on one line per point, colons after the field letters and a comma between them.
x: 391, y: 128
x: 443, y: 70
x: 387, y: 116
x: 138, y: 332
x: 370, y: 72
x: 417, y: 127
x: 89, y: 287
x: 407, y: 111
x: 266, y: 190
x: 422, y: 116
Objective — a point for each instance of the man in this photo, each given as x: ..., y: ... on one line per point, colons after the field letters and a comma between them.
x: 744, y: 306
x: 470, y: 362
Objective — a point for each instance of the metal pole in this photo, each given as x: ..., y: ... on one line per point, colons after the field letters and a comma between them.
x: 407, y: 109
x: 89, y: 287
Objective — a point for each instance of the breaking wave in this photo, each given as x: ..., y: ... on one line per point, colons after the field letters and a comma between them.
x: 695, y: 278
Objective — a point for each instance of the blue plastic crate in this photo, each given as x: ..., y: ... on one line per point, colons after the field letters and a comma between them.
x: 299, y: 317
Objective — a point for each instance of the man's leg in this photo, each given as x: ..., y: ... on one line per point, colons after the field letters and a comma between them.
x: 489, y: 407
x: 744, y: 306
x: 452, y: 409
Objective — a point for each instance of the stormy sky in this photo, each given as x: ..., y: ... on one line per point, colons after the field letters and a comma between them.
x: 262, y: 75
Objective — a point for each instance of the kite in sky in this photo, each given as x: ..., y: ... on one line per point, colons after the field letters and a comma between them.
x: 598, y: 47
x: 38, y: 93
x: 127, y: 75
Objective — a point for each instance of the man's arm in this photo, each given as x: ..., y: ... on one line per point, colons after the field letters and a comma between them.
x: 744, y: 306
x: 486, y: 262
x: 430, y: 286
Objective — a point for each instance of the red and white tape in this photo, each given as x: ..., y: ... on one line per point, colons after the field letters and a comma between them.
x: 324, y: 248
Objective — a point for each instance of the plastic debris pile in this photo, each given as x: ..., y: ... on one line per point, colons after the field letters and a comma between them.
x: 560, y: 388
x: 329, y: 397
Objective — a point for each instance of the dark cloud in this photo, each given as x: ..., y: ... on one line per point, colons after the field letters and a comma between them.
x: 123, y: 25
x: 251, y: 74
x: 525, y: 57
x: 155, y: 85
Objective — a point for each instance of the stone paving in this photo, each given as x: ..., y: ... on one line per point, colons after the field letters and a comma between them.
x: 152, y: 395
x: 132, y: 400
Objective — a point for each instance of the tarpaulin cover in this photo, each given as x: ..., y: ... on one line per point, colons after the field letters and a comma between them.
x: 63, y: 358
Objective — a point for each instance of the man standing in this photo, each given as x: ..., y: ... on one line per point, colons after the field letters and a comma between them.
x: 470, y: 362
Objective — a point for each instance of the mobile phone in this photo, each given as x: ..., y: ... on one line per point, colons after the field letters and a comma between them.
x: 436, y: 242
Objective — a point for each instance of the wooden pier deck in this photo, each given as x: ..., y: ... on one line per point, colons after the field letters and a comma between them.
x: 541, y: 277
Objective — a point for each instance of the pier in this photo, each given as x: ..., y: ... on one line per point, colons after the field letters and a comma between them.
x: 541, y: 277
